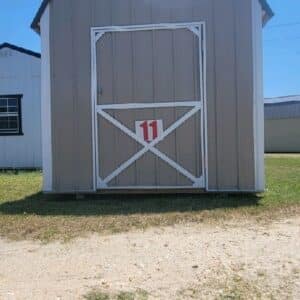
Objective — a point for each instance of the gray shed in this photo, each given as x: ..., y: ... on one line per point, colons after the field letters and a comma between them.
x: 152, y: 95
x: 282, y: 125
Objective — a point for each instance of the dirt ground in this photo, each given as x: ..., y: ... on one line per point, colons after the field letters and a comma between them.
x: 233, y: 261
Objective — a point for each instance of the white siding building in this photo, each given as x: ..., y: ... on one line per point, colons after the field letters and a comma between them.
x: 20, y: 108
x: 282, y: 124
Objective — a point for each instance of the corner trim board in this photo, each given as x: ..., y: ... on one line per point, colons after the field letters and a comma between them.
x: 258, y: 101
x: 46, y: 103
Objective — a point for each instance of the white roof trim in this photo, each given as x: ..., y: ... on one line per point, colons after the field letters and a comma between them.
x: 282, y: 99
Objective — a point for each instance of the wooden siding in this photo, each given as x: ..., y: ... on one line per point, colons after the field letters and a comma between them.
x: 229, y: 83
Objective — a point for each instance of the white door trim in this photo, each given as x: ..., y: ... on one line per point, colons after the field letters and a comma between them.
x: 197, y: 28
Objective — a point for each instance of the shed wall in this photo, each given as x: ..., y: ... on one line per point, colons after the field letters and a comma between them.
x: 20, y: 74
x: 229, y: 83
x: 282, y: 123
x: 282, y: 135
x: 283, y: 110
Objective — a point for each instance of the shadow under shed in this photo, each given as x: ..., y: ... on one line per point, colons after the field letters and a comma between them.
x: 101, y: 205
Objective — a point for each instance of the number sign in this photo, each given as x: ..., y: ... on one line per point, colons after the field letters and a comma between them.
x: 149, y: 130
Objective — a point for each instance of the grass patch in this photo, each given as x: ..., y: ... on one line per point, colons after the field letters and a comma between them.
x: 224, y: 284
x: 26, y: 213
x: 231, y: 287
x: 99, y: 295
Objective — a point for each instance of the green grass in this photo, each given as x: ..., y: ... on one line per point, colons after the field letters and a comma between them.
x: 99, y: 295
x: 283, y: 180
x: 25, y: 213
x: 226, y: 284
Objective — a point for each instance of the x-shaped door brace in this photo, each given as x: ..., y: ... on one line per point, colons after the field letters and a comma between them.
x: 96, y: 34
x: 197, y: 106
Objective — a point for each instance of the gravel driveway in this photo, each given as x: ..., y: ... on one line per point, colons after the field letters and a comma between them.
x: 249, y: 260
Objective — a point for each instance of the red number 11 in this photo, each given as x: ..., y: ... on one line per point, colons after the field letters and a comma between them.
x: 153, y: 125
x: 145, y: 125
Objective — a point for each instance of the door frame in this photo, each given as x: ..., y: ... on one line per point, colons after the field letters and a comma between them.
x: 197, y: 28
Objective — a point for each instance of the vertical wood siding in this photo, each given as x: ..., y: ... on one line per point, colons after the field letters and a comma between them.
x: 229, y: 84
x: 245, y: 95
x: 225, y: 87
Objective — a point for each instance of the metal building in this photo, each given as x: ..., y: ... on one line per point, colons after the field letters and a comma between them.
x: 20, y: 108
x: 282, y: 125
x: 152, y: 95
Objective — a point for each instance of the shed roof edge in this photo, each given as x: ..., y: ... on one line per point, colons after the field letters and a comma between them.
x: 35, y: 25
x: 283, y: 99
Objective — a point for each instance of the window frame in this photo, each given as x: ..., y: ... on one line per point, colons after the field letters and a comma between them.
x: 18, y: 97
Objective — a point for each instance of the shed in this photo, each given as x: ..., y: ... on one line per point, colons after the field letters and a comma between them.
x: 151, y: 95
x: 282, y: 124
x: 20, y: 108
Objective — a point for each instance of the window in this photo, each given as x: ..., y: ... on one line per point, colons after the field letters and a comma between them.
x: 10, y: 115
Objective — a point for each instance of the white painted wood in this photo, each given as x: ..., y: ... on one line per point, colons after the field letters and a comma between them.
x: 161, y: 26
x: 150, y: 105
x: 46, y: 103
x: 93, y: 108
x: 204, y: 109
x: 258, y: 101
x: 157, y: 187
x: 282, y: 99
x: 20, y: 74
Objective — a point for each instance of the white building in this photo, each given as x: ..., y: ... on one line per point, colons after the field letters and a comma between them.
x: 282, y: 124
x: 20, y: 108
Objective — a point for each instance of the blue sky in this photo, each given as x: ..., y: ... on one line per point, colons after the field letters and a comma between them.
x: 281, y: 40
